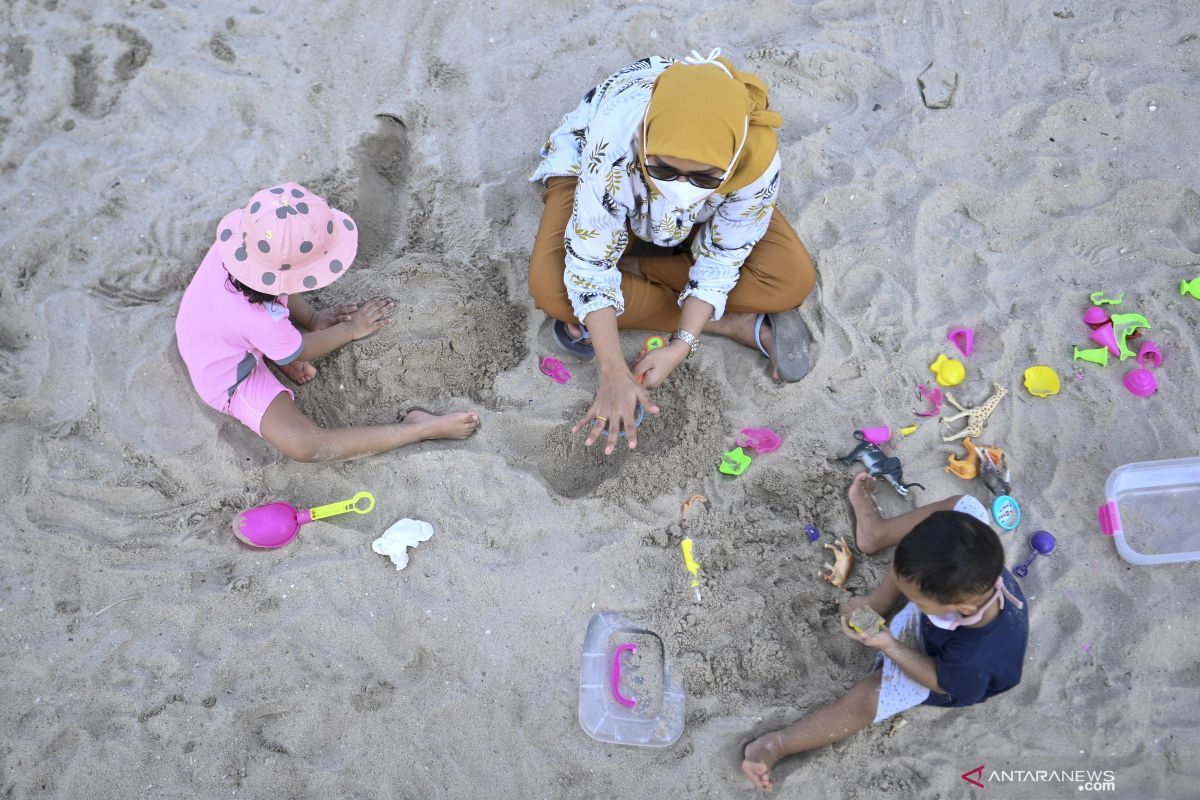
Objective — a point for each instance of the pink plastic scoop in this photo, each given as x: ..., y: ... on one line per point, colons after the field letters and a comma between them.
x: 616, y: 674
x: 276, y: 524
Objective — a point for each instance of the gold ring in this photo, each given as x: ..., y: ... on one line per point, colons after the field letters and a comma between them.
x: 601, y: 419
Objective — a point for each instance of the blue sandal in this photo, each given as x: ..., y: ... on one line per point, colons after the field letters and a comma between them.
x: 574, y: 345
x: 791, y: 342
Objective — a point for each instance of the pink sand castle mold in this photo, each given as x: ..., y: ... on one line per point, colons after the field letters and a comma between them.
x: 760, y: 440
x: 1095, y: 317
x: 1141, y: 381
x: 1106, y: 336
x: 963, y: 339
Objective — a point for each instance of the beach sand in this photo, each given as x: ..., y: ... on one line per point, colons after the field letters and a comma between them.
x: 145, y: 653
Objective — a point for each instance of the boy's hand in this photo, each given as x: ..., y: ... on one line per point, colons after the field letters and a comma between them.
x: 375, y: 314
x: 880, y: 640
x: 328, y: 317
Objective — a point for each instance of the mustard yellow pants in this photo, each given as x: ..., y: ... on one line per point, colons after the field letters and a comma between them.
x: 777, y: 275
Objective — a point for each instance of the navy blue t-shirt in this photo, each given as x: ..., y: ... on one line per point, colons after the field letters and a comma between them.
x: 975, y: 663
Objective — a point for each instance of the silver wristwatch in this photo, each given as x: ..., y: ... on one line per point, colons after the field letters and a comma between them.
x: 691, y: 341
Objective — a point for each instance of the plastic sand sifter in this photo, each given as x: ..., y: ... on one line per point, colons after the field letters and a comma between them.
x: 616, y: 703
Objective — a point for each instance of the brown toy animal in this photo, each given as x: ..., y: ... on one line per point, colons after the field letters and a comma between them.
x: 839, y: 570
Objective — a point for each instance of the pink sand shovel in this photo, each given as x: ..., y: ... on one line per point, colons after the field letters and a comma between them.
x: 276, y: 524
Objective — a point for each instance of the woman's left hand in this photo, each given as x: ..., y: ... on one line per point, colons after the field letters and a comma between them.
x: 880, y: 640
x: 652, y: 369
x: 328, y: 317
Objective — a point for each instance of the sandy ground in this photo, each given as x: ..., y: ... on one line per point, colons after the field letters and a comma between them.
x: 1066, y: 162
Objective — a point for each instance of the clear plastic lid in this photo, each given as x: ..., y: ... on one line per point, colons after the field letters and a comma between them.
x: 614, y: 670
x: 1153, y: 511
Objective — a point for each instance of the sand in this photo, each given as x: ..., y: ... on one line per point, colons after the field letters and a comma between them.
x: 145, y: 653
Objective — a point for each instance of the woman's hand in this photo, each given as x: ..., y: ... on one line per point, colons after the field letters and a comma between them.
x: 375, y: 314
x: 328, y: 317
x: 880, y: 640
x: 614, y: 409
x: 652, y: 369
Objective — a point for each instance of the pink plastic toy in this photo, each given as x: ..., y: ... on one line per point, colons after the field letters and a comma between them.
x: 616, y: 674
x: 761, y: 440
x: 963, y: 339
x: 1095, y: 317
x: 276, y: 524
x: 1106, y: 336
x: 555, y: 369
x: 1141, y: 381
x: 877, y: 435
x: 934, y: 396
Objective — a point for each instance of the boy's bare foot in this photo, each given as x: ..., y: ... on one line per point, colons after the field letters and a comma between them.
x: 299, y: 372
x: 758, y: 758
x: 456, y: 425
x: 867, y: 518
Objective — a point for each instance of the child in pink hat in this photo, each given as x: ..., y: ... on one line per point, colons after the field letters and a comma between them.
x: 243, y: 305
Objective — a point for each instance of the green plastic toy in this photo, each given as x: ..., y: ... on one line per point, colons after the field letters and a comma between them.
x: 1191, y: 287
x: 1124, y: 348
x: 1099, y: 299
x: 734, y: 462
x: 1096, y: 355
x: 1132, y: 321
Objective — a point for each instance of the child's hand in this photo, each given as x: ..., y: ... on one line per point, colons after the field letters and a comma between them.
x: 880, y: 640
x: 375, y: 314
x: 328, y: 317
x: 855, y: 603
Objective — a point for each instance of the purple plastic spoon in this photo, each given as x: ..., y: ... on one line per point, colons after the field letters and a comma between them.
x: 1042, y: 544
x: 616, y: 674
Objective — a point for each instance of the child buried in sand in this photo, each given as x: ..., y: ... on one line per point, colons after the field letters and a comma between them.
x: 240, y: 307
x: 958, y: 640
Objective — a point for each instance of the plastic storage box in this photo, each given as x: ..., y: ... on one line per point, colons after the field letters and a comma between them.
x: 1153, y: 511
x: 656, y: 720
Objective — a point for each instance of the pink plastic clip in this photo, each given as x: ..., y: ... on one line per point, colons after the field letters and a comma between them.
x: 555, y: 369
x: 963, y: 339
x: 616, y: 674
x: 934, y: 396
x: 1110, y: 519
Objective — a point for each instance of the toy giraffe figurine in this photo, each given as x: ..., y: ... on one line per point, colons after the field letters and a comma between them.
x: 975, y: 416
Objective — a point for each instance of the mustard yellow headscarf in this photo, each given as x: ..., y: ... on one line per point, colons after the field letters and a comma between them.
x: 698, y: 112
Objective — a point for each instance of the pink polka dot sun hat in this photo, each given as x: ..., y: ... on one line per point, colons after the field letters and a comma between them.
x: 287, y: 240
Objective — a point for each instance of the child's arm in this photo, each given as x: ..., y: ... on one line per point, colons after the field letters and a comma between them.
x: 362, y: 323
x: 918, y: 666
x: 886, y: 597
x: 307, y: 318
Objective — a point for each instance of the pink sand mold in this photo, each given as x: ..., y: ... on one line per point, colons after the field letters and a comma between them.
x: 1140, y: 381
x: 963, y: 339
x: 877, y: 435
x: 760, y: 440
x: 1107, y: 336
x: 616, y: 674
x: 1095, y: 316
x: 555, y: 369
x: 934, y: 396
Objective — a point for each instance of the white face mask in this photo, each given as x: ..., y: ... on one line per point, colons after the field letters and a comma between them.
x: 955, y: 619
x: 680, y: 192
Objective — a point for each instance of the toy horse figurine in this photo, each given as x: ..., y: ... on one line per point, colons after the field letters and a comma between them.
x: 878, y: 464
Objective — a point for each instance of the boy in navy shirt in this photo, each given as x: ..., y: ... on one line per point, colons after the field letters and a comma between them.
x: 958, y: 640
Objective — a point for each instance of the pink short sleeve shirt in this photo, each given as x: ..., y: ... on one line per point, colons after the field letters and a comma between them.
x: 222, y: 336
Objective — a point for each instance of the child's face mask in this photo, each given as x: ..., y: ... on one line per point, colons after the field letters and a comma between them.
x: 955, y: 619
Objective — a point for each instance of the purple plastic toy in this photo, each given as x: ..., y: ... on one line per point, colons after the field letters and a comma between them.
x: 616, y: 674
x: 1041, y: 544
x: 814, y: 533
x: 963, y: 339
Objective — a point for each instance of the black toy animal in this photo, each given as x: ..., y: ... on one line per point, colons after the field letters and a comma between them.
x: 878, y: 465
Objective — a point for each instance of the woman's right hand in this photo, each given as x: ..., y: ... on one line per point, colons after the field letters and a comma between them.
x: 614, y: 409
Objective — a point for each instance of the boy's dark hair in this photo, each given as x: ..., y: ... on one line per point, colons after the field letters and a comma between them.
x: 256, y: 297
x: 950, y: 556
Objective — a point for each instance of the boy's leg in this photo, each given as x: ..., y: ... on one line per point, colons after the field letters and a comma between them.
x: 298, y: 438
x: 872, y: 532
x: 832, y: 723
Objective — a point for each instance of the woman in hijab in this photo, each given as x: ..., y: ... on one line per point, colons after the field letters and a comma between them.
x: 682, y: 155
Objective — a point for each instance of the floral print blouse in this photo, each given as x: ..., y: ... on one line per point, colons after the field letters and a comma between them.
x: 598, y: 143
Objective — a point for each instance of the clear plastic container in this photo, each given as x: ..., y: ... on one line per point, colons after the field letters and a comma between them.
x: 656, y: 718
x: 1153, y: 511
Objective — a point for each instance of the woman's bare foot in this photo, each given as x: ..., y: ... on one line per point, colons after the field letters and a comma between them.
x: 576, y: 332
x: 740, y: 328
x: 867, y: 519
x: 758, y: 758
x: 299, y: 372
x: 456, y: 425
